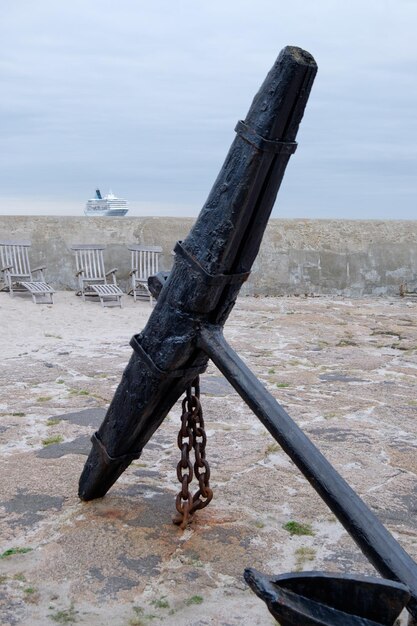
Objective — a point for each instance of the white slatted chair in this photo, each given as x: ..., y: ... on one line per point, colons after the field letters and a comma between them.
x: 17, y: 274
x: 145, y: 263
x: 92, y: 277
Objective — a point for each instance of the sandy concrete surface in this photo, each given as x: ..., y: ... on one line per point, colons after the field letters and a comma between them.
x: 345, y: 370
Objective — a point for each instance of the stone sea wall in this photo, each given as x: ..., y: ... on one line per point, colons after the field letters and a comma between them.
x: 338, y: 257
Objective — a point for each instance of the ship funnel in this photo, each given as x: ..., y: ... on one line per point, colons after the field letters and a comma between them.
x: 98, y: 194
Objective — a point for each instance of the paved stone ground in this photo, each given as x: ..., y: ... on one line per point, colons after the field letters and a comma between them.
x: 344, y: 369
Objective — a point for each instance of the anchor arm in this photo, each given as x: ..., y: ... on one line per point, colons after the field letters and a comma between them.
x: 379, y: 546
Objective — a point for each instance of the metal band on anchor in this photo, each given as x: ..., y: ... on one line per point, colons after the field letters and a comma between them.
x: 266, y: 145
x: 155, y: 370
x: 210, y: 279
x: 97, y: 443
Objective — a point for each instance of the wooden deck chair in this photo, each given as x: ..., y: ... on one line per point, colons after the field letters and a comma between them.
x: 92, y: 277
x: 145, y: 263
x: 17, y: 274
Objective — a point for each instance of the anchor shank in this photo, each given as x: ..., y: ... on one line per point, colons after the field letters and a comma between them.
x: 203, y: 283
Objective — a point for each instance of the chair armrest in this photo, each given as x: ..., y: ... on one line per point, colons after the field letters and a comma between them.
x: 135, y: 271
x: 39, y: 269
x: 112, y: 271
x: 81, y: 271
x: 6, y: 267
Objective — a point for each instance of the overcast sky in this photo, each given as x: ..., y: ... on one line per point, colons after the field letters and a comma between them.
x: 142, y: 97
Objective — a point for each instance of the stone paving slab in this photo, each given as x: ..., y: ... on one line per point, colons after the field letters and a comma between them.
x: 345, y: 370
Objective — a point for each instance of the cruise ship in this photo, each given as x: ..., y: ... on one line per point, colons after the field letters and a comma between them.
x: 109, y: 206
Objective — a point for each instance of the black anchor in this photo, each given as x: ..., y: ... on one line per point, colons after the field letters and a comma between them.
x: 322, y: 599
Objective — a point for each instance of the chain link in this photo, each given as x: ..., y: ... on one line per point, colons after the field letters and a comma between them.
x: 192, y: 436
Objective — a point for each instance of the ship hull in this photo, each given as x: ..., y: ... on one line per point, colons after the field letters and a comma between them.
x: 106, y: 213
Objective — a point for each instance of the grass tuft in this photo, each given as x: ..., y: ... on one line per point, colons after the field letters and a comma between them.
x: 302, y: 555
x: 67, y: 616
x: 194, y: 600
x: 161, y: 603
x: 346, y: 342
x: 272, y: 447
x: 295, y: 528
x: 79, y: 392
x: 49, y: 441
x: 13, y: 551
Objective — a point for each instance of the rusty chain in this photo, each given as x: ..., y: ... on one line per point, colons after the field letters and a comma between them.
x: 192, y: 437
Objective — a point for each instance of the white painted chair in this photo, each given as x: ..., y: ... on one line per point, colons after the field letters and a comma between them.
x: 145, y: 263
x: 92, y: 277
x: 17, y: 274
